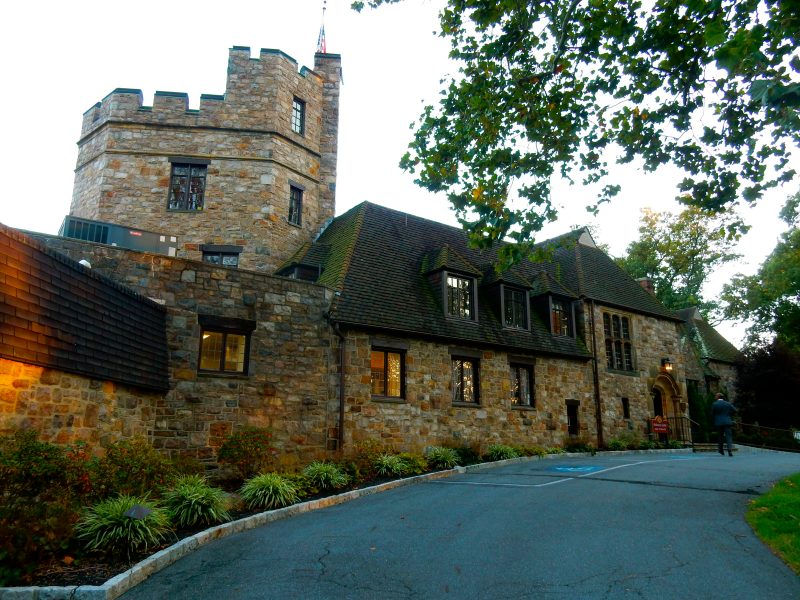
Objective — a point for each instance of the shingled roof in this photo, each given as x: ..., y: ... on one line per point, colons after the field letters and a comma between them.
x: 379, y: 258
x: 709, y: 343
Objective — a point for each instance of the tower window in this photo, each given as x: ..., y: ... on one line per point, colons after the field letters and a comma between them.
x: 187, y: 187
x: 295, y: 205
x: 298, y: 116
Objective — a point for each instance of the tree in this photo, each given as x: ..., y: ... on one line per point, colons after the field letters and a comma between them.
x: 564, y: 86
x: 679, y: 252
x: 767, y: 386
x: 771, y: 297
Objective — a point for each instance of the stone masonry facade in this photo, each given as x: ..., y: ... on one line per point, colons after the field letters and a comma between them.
x: 245, y: 139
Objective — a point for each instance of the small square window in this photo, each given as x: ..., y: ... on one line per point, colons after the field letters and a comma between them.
x: 460, y: 297
x: 387, y: 373
x: 298, y: 116
x: 515, y: 313
x: 187, y: 187
x: 465, y: 380
x: 295, y: 205
x: 225, y: 259
x: 223, y: 351
x: 522, y: 385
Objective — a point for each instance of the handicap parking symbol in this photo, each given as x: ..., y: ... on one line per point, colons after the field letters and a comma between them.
x: 576, y: 468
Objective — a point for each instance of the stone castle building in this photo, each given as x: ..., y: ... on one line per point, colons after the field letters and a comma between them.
x: 222, y: 292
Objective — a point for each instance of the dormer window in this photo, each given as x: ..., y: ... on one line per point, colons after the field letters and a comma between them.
x: 560, y: 317
x: 515, y: 308
x: 461, y: 297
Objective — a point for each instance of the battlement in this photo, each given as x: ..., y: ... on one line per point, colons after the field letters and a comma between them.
x: 253, y: 90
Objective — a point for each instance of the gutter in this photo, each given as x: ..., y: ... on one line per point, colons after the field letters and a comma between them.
x: 340, y: 428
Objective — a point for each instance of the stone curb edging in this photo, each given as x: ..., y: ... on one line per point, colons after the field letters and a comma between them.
x: 119, y: 584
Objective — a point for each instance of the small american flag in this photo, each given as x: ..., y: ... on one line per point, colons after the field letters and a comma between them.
x: 321, y: 48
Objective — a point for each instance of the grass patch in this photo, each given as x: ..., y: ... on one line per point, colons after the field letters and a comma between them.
x: 775, y: 517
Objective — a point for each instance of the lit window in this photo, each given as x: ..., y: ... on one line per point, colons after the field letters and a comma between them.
x: 619, y: 351
x: 522, y: 385
x: 515, y: 308
x: 465, y: 380
x: 460, y: 297
x: 295, y: 205
x: 187, y: 187
x: 223, y: 351
x: 560, y: 317
x: 387, y: 373
x: 298, y: 116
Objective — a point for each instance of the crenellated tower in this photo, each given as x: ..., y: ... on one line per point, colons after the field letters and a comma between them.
x: 243, y: 180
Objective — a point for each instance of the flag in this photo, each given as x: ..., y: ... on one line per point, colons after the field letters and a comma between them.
x: 321, y: 41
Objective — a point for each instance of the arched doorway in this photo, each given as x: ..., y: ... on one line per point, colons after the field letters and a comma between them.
x: 668, y: 403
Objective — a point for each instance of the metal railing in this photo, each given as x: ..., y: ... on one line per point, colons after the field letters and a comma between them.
x: 770, y: 438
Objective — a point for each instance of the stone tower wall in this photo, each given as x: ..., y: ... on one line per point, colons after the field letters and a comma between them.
x: 123, y: 169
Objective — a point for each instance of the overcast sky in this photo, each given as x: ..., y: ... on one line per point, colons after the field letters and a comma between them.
x: 59, y: 58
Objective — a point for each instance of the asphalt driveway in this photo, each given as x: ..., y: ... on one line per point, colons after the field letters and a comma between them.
x: 609, y: 526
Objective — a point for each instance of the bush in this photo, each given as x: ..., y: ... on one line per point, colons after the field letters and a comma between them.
x: 268, y: 490
x: 390, y: 465
x: 555, y: 450
x: 440, y: 457
x: 500, y: 452
x: 106, y: 528
x: 191, y: 501
x: 467, y: 455
x: 580, y: 444
x: 617, y: 445
x: 131, y: 468
x: 647, y: 445
x: 248, y: 450
x: 415, y: 464
x: 325, y: 475
x: 42, y: 487
x: 529, y: 450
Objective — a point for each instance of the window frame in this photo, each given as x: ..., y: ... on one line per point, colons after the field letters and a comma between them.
x: 402, y: 376
x: 510, y: 290
x: 225, y: 326
x: 476, y: 376
x: 221, y: 255
x: 516, y: 368
x: 567, y: 310
x: 298, y: 119
x: 626, y: 408
x: 618, y: 342
x: 295, y: 213
x: 450, y: 302
x: 191, y: 164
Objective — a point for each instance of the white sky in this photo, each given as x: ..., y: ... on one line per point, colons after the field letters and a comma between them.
x: 59, y: 58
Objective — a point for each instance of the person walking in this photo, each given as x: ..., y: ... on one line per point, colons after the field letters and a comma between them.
x: 722, y: 412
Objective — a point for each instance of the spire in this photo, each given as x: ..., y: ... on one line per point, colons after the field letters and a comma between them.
x: 321, y: 48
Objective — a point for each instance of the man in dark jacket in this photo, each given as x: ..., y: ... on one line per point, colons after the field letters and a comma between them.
x: 722, y: 412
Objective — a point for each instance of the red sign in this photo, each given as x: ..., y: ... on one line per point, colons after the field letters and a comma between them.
x: 660, y: 425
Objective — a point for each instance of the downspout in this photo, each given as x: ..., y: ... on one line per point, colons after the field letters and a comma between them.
x: 340, y: 428
x: 597, y: 409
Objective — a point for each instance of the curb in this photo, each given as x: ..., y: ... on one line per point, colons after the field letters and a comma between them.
x: 119, y: 584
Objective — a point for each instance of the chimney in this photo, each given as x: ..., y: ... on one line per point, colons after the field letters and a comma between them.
x: 647, y: 285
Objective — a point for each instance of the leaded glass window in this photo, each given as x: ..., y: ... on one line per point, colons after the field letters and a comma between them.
x: 298, y: 116
x: 187, y: 187
x: 514, y: 308
x: 387, y: 374
x: 465, y: 380
x: 619, y: 350
x: 460, y: 297
x: 522, y: 385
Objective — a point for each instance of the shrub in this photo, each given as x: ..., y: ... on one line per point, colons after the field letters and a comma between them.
x: 617, y: 445
x: 106, y: 528
x: 555, y: 450
x: 647, y: 445
x: 675, y: 444
x: 187, y: 465
x: 191, y: 501
x: 468, y: 455
x: 325, y: 475
x: 533, y: 451
x: 500, y: 452
x: 248, y: 450
x: 390, y: 465
x: 131, y: 468
x: 268, y: 490
x: 580, y: 444
x: 362, y: 464
x: 415, y: 464
x: 441, y: 457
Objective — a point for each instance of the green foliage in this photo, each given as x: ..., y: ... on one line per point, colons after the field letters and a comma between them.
x: 530, y: 450
x: 500, y: 452
x: 468, y: 455
x: 767, y: 385
x: 617, y: 445
x: 105, y: 527
x: 678, y: 253
x: 647, y: 445
x: 131, y: 468
x: 42, y: 487
x: 187, y: 465
x: 770, y: 299
x: 325, y: 475
x: 555, y: 450
x: 191, y: 501
x: 440, y: 457
x: 579, y: 444
x: 249, y: 450
x: 390, y: 465
x: 773, y: 516
x: 549, y: 88
x: 269, y: 490
x: 415, y: 464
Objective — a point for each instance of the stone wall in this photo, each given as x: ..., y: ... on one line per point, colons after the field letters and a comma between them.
x: 64, y: 407
x: 290, y: 386
x: 123, y: 169
x: 427, y: 415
